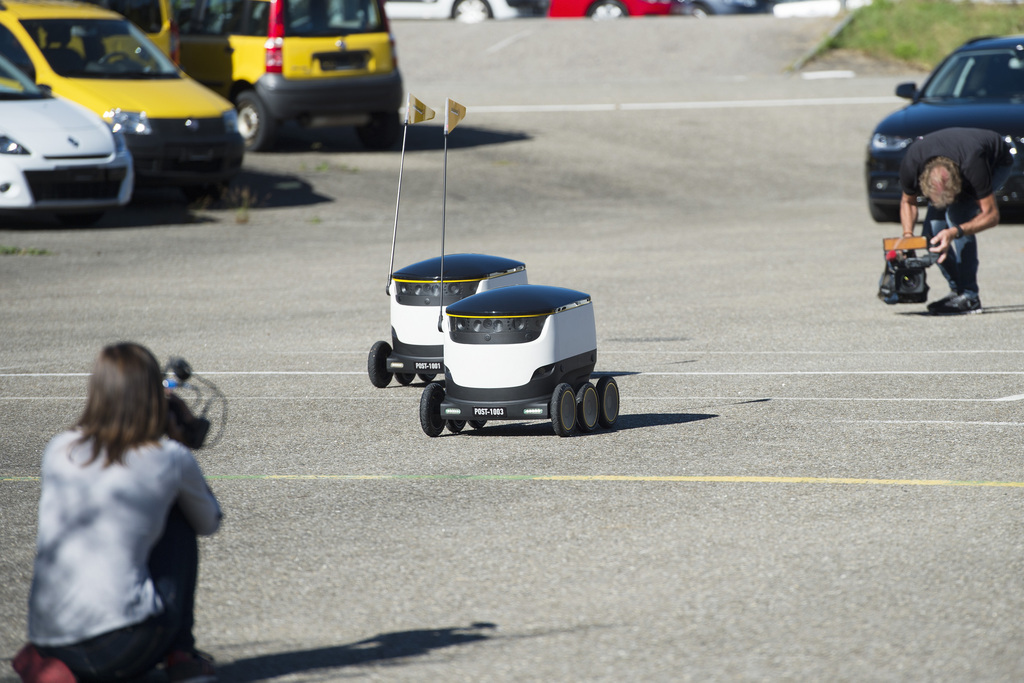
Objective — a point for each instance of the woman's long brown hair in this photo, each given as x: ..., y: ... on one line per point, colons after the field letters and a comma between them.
x: 126, y: 406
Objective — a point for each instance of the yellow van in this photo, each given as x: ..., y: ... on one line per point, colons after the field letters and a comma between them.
x: 318, y: 62
x: 178, y: 132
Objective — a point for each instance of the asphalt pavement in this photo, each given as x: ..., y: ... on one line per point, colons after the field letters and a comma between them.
x: 804, y: 484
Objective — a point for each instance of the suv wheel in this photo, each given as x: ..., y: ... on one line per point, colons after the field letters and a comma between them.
x: 381, y: 132
x: 607, y: 9
x: 471, y: 11
x: 257, y: 126
x: 883, y: 213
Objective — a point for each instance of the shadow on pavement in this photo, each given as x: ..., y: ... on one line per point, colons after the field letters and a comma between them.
x: 381, y: 648
x: 986, y: 310
x: 544, y: 428
x: 421, y: 137
x: 152, y: 206
x: 249, y: 190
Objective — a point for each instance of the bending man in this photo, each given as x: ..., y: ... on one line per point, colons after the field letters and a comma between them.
x: 957, y: 170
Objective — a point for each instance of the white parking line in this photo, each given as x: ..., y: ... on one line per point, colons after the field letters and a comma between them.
x: 653, y: 106
x: 838, y: 372
x: 501, y: 45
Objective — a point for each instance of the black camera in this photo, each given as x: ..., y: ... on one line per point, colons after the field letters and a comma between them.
x: 184, y: 424
x: 904, y: 281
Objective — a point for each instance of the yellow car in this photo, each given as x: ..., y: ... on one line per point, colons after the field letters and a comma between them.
x: 153, y: 17
x: 318, y: 62
x: 178, y: 132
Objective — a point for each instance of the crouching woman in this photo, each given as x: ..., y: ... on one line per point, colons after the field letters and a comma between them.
x: 116, y: 563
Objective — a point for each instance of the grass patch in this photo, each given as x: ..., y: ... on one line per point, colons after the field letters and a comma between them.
x: 21, y: 251
x: 241, y: 200
x: 922, y: 32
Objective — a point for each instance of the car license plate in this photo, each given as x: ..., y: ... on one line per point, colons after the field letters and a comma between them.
x: 203, y: 154
x: 488, y: 412
x: 338, y: 61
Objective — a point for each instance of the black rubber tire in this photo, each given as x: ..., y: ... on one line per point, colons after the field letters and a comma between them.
x: 377, y: 364
x: 428, y: 378
x: 477, y: 424
x: 405, y: 378
x: 607, y: 9
x: 883, y: 213
x: 701, y: 11
x: 479, y: 10
x: 608, y: 401
x: 382, y: 132
x: 563, y: 410
x: 430, y: 409
x: 455, y: 426
x: 255, y: 122
x: 587, y: 408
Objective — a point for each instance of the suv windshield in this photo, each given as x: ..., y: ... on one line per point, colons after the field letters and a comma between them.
x: 98, y: 48
x: 984, y: 74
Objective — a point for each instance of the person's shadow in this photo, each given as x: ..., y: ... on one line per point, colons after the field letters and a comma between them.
x: 383, y: 647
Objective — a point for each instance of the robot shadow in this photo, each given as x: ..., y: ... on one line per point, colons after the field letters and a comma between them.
x: 624, y: 423
x: 383, y: 648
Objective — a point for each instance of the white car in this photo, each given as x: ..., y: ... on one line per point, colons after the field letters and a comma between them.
x: 815, y: 8
x: 467, y: 11
x: 57, y: 156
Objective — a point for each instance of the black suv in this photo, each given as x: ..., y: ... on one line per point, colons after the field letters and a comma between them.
x: 979, y: 85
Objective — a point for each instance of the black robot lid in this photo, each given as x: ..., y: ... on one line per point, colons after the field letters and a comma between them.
x: 458, y: 267
x: 518, y: 300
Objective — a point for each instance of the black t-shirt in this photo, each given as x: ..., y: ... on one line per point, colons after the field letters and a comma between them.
x: 975, y: 151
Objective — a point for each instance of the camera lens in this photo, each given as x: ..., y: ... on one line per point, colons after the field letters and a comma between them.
x: 911, y: 281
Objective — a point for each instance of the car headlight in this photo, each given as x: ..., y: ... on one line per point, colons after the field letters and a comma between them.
x: 120, y: 145
x: 889, y: 143
x: 128, y: 122
x: 11, y: 146
x: 231, y: 121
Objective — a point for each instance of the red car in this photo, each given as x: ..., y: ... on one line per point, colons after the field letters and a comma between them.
x: 611, y: 9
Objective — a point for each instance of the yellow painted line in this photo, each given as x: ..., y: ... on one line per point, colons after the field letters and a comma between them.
x: 696, y: 479
x: 790, y: 480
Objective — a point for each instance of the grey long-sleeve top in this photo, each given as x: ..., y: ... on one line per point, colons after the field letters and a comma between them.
x: 97, y: 526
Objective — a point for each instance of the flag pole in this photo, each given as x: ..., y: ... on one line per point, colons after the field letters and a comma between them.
x: 415, y: 112
x: 453, y: 113
x: 444, y: 202
x: 398, y: 202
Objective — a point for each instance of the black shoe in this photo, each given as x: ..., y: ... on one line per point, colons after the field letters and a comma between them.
x: 190, y: 667
x: 936, y: 305
x: 960, y: 304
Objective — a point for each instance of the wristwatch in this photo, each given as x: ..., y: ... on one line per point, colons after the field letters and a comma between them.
x: 959, y: 232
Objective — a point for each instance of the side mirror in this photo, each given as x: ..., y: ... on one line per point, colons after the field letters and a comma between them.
x: 907, y: 91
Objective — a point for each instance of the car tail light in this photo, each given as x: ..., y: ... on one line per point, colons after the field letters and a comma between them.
x: 275, y: 38
x: 175, y: 43
x: 385, y: 26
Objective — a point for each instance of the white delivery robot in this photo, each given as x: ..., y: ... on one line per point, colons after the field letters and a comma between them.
x: 520, y: 353
x: 417, y: 343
